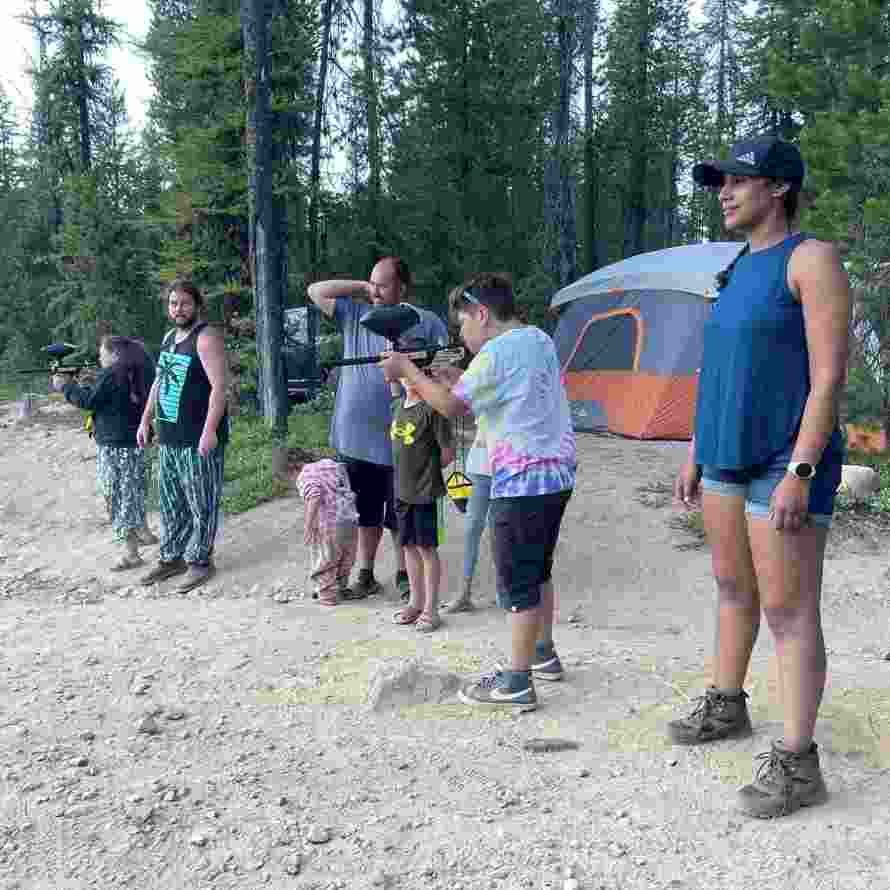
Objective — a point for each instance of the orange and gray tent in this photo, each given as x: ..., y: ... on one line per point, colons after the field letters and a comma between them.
x: 629, y: 340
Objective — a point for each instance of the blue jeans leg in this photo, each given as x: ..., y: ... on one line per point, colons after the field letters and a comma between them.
x: 477, y: 516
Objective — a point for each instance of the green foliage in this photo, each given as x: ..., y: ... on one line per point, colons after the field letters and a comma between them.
x: 248, y: 477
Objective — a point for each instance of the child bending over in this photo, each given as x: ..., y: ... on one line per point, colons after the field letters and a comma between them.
x: 330, y: 528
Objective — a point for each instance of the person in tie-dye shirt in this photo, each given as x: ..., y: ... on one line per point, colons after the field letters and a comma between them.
x: 513, y: 386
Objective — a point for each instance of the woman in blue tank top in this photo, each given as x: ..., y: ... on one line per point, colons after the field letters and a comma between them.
x: 766, y: 459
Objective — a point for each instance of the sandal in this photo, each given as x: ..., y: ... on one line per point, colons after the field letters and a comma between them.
x: 460, y: 605
x: 350, y: 593
x: 426, y: 624
x: 407, y: 616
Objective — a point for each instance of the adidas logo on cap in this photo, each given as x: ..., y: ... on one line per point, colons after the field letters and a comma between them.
x: 747, y: 158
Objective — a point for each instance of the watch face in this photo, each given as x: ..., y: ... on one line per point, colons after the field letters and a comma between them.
x: 804, y: 471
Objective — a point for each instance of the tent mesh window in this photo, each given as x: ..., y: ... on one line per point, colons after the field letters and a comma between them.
x: 607, y: 344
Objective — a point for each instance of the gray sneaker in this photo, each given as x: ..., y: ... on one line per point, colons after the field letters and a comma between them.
x: 164, y: 570
x: 785, y: 782
x: 196, y: 576
x: 715, y: 716
x: 494, y: 691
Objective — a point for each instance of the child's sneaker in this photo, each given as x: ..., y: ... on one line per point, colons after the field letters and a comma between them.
x: 785, y: 782
x: 715, y: 716
x: 502, y: 689
x: 546, y: 665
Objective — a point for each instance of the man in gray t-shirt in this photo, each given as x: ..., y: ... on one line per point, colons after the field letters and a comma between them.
x: 360, y: 429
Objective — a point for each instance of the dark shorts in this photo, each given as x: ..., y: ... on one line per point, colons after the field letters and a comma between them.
x: 757, y: 485
x: 524, y: 532
x: 374, y: 497
x: 419, y: 524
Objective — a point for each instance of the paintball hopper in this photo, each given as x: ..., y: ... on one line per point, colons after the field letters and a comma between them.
x: 391, y: 322
x: 59, y: 351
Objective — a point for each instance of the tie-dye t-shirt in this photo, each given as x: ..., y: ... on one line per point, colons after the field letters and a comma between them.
x: 513, y: 387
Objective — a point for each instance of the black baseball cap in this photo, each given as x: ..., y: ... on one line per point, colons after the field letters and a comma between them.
x: 766, y: 156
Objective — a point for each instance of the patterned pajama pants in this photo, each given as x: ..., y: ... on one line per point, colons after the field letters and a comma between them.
x: 120, y: 474
x: 190, y: 494
x: 332, y: 561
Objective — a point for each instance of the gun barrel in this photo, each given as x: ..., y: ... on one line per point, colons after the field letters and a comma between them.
x: 421, y: 357
x: 62, y: 369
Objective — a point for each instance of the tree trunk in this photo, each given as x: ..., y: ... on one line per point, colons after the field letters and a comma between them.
x: 591, y: 182
x: 635, y: 211
x: 271, y: 252
x: 558, y: 180
x: 248, y: 37
x: 315, y: 180
x: 86, y: 152
x: 373, y: 134
x: 315, y: 174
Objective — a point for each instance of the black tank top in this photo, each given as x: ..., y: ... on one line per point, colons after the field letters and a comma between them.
x: 184, y: 393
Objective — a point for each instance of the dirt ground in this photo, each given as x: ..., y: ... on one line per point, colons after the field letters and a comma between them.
x: 242, y: 737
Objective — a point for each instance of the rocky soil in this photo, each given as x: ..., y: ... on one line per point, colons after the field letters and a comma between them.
x: 243, y: 737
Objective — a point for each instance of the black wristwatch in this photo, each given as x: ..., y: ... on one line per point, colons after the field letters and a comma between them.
x: 801, y: 469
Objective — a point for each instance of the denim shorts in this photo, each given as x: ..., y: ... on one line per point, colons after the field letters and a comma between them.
x: 757, y: 484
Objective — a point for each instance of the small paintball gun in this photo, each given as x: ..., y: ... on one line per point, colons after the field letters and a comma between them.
x: 57, y: 353
x: 392, y: 323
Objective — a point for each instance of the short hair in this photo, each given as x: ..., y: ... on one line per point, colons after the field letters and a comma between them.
x: 402, y: 271
x: 494, y: 291
x: 189, y: 288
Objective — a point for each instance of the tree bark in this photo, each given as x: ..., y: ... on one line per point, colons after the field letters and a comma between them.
x: 248, y: 38
x: 635, y: 211
x: 591, y: 179
x: 83, y: 109
x: 271, y: 252
x: 318, y: 127
x: 372, y: 123
x: 558, y: 180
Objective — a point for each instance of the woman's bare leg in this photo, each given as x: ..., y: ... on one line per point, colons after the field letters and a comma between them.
x: 738, y: 602
x: 789, y: 576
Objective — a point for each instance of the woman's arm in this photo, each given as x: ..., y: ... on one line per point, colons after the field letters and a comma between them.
x: 818, y: 279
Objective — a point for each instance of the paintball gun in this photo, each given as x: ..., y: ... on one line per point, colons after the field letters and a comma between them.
x: 57, y: 353
x: 392, y: 323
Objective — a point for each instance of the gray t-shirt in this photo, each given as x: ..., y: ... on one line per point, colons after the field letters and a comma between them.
x: 363, y: 410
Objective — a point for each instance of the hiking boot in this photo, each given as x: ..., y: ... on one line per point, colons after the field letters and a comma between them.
x: 164, y: 570
x: 367, y: 585
x: 785, y: 782
x: 196, y: 576
x: 403, y: 585
x: 715, y: 716
x: 509, y: 690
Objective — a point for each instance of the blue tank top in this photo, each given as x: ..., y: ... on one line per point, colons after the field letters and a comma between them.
x: 755, y: 374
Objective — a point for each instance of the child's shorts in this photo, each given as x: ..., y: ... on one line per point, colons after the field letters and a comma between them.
x: 524, y: 532
x: 420, y: 525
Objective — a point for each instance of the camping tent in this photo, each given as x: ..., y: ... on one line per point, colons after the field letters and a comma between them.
x: 629, y: 340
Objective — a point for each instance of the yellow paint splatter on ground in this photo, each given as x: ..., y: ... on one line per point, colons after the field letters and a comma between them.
x: 345, y: 675
x: 456, y: 657
x: 851, y: 722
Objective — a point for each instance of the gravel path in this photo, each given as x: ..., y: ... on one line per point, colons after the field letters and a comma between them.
x: 242, y: 737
